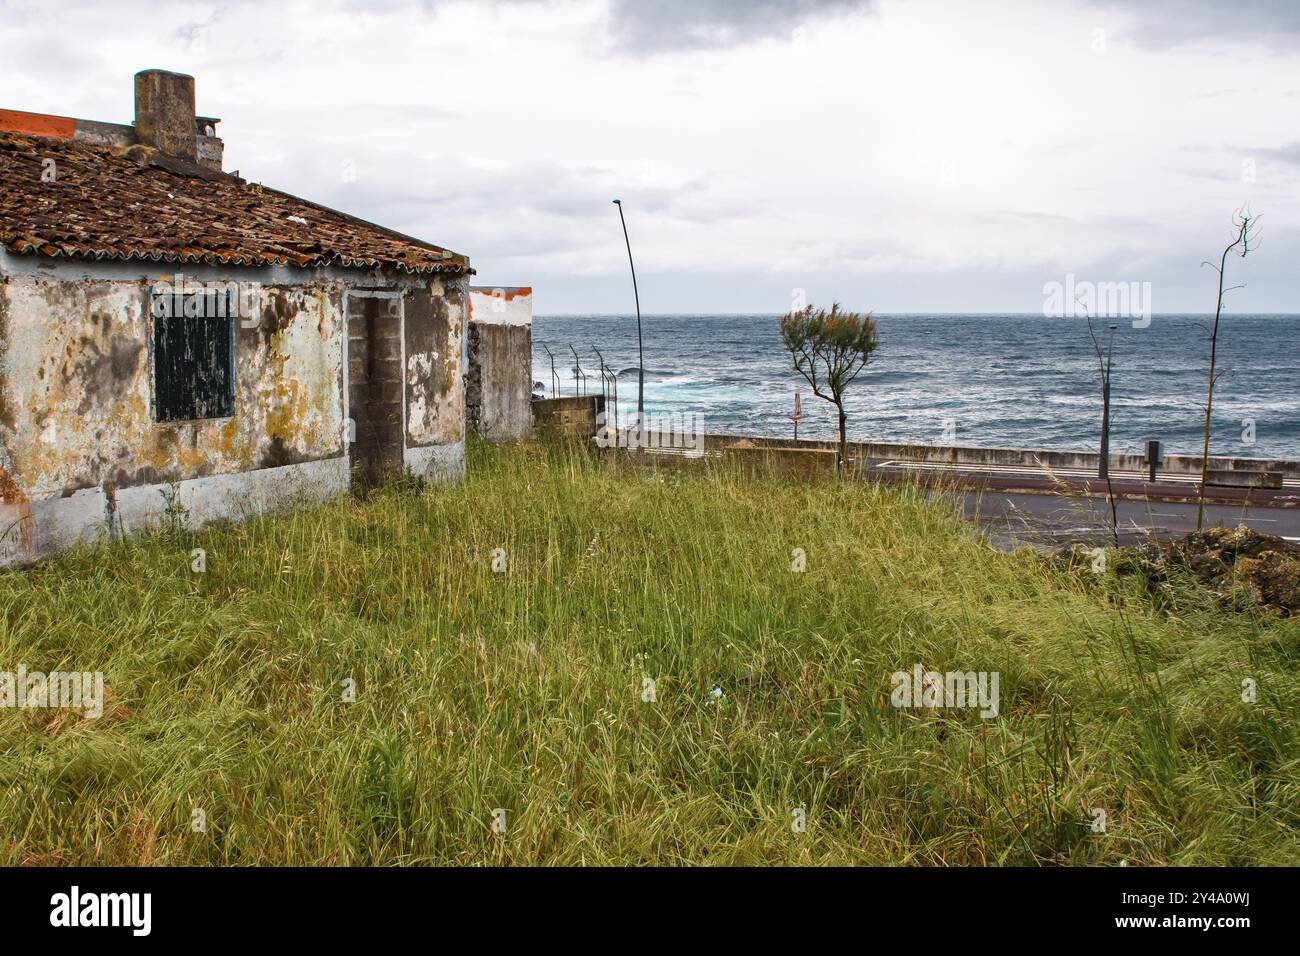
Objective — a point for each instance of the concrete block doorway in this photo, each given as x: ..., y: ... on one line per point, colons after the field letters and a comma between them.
x: 375, y: 360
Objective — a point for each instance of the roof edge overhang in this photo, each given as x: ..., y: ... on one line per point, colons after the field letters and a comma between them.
x: 456, y: 265
x: 452, y: 263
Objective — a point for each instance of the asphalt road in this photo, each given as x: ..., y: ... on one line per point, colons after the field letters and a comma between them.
x: 1048, y: 521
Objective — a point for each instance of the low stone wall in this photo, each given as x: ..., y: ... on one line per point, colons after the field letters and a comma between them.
x: 1023, y: 457
x: 784, y: 453
x: 803, y: 463
x: 1244, y: 479
x: 572, y: 415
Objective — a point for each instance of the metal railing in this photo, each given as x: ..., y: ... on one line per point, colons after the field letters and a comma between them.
x: 608, y: 379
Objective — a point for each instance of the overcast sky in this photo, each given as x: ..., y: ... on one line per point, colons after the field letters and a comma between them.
x: 899, y: 155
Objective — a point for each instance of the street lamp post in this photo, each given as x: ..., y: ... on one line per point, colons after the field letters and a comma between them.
x: 640, y: 354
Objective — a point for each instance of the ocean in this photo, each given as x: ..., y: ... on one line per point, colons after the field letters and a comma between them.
x: 1023, y: 381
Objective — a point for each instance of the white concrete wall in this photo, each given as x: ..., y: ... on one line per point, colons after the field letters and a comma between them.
x: 91, y: 514
x: 502, y: 305
x: 499, y: 401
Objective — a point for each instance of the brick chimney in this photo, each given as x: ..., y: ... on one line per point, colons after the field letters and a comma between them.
x: 164, y: 112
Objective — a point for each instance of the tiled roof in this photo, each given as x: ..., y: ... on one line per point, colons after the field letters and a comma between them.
x: 135, y: 203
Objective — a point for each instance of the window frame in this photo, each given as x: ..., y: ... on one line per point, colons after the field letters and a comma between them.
x: 158, y: 329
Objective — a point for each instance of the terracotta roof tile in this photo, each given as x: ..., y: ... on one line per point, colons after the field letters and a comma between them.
x: 135, y: 203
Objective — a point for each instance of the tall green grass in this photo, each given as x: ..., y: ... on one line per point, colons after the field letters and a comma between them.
x: 523, y: 690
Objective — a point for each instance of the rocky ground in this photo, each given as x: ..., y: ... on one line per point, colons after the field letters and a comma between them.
x: 1242, y: 566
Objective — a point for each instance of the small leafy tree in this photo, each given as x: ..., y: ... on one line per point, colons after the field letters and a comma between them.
x: 829, y: 350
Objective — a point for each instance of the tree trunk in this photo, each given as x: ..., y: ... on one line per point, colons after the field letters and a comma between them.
x: 844, y: 446
x: 1209, y: 396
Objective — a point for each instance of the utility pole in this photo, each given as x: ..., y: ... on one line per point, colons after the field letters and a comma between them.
x: 640, y: 353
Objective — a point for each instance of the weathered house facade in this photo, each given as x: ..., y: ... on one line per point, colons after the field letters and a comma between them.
x: 173, y: 333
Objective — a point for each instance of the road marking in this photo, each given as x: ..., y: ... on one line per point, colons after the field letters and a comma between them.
x: 1249, y: 518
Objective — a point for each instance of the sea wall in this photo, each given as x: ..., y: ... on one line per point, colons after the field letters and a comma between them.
x: 1024, y: 457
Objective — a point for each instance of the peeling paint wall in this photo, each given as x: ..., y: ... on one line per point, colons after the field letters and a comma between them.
x: 435, y: 343
x: 499, y: 377
x: 79, y: 443
x: 501, y: 305
x: 76, y: 388
x: 500, y: 391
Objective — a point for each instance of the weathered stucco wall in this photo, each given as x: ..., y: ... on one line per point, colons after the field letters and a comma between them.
x: 499, y: 377
x: 435, y: 320
x: 76, y: 388
x: 81, y: 452
x: 499, y: 403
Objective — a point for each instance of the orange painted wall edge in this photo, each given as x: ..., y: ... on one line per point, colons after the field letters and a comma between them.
x: 37, y: 124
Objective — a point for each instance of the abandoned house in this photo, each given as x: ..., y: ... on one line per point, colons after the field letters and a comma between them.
x: 173, y: 333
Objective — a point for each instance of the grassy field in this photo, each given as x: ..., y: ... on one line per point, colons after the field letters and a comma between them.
x: 524, y: 690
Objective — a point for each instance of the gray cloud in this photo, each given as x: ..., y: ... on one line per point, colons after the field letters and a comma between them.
x: 503, y: 128
x: 650, y: 27
x: 1160, y: 24
x: 1289, y: 154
